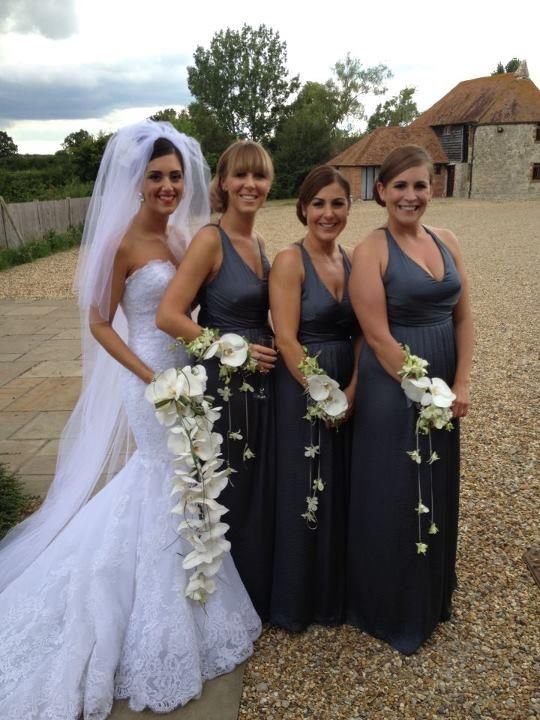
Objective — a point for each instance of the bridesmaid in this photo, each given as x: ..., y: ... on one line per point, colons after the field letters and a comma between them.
x: 311, y: 311
x: 225, y: 272
x: 408, y: 286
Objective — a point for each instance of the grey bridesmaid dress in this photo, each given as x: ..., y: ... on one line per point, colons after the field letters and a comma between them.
x: 236, y: 300
x: 309, y: 564
x: 394, y: 593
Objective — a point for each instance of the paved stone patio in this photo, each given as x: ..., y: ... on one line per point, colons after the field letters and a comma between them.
x: 40, y: 379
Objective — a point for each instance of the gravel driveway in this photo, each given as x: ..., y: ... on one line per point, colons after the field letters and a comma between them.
x: 484, y: 663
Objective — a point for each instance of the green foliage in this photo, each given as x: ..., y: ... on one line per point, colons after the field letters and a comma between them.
x: 305, y: 138
x: 241, y: 81
x: 7, y: 146
x: 181, y: 120
x: 87, y: 154
x: 75, y: 140
x: 214, y: 138
x: 14, y: 502
x: 351, y: 80
x: 398, y: 110
x: 52, y: 184
x: 52, y: 243
x: 510, y: 67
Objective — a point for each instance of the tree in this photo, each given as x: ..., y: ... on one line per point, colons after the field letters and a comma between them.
x: 304, y: 138
x: 351, y: 81
x: 398, y: 110
x: 510, y: 67
x: 7, y: 145
x: 75, y: 140
x: 85, y: 152
x: 241, y: 80
x: 181, y: 120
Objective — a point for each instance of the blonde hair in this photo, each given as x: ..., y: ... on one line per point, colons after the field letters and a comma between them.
x: 241, y: 156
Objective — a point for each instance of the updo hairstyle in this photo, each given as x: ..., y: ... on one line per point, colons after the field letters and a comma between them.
x: 316, y: 180
x: 399, y: 160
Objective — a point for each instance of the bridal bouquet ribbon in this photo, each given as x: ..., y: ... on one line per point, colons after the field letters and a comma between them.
x: 325, y: 402
x: 234, y: 355
x: 433, y: 400
x: 199, y: 476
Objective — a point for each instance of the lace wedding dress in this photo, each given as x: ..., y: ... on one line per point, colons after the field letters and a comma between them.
x: 101, y: 613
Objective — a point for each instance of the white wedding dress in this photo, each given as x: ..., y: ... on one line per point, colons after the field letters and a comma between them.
x: 101, y: 613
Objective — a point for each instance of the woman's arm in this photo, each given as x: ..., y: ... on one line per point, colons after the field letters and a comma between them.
x: 463, y: 329
x: 201, y: 261
x: 103, y: 331
x: 368, y: 298
x: 285, y: 284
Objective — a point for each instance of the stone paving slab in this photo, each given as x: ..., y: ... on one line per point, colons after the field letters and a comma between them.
x: 19, y: 343
x: 14, y: 326
x: 50, y: 448
x: 49, y: 394
x: 16, y: 452
x: 41, y: 426
x: 27, y: 310
x: 15, y: 389
x: 54, y: 349
x: 9, y: 371
x: 220, y: 700
x: 54, y: 368
x: 73, y: 334
x: 12, y: 422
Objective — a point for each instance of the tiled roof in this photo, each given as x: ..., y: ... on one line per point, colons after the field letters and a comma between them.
x: 502, y: 98
x: 373, y: 148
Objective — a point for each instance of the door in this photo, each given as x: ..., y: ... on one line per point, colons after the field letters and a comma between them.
x: 450, y: 171
x: 369, y: 174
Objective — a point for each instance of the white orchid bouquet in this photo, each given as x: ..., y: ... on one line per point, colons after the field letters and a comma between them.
x: 433, y: 399
x: 325, y: 402
x: 234, y: 355
x: 199, y: 476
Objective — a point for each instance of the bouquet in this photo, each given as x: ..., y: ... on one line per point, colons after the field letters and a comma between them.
x: 433, y: 400
x: 325, y: 402
x: 234, y: 355
x: 181, y: 405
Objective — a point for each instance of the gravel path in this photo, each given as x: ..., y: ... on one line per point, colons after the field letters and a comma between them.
x: 484, y: 663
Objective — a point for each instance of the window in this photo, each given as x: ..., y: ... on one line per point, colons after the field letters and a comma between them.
x: 536, y: 172
x: 538, y: 133
x: 437, y: 168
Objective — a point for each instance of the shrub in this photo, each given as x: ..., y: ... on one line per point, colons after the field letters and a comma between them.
x: 15, y: 503
x: 52, y: 243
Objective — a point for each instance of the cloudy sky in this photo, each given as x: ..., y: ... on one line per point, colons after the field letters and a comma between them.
x: 99, y: 64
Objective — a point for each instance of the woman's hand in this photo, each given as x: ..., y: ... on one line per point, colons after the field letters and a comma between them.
x: 350, y: 392
x: 265, y: 356
x: 460, y: 406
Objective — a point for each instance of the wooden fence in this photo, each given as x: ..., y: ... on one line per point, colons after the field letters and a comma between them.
x: 22, y: 222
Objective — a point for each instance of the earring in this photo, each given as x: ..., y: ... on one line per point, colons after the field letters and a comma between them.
x: 140, y: 197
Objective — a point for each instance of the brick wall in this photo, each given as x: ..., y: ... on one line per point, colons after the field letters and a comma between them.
x: 353, y: 175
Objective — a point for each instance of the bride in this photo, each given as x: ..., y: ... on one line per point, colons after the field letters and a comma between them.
x: 92, y: 590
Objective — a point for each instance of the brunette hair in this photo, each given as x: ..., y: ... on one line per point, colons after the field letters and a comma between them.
x: 241, y: 156
x: 316, y: 180
x: 163, y: 146
x: 399, y: 160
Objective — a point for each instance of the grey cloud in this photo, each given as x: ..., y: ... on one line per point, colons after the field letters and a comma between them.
x: 52, y: 18
x: 93, y: 91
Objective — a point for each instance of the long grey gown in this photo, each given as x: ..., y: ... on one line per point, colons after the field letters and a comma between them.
x: 394, y: 593
x: 236, y: 300
x: 309, y: 564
